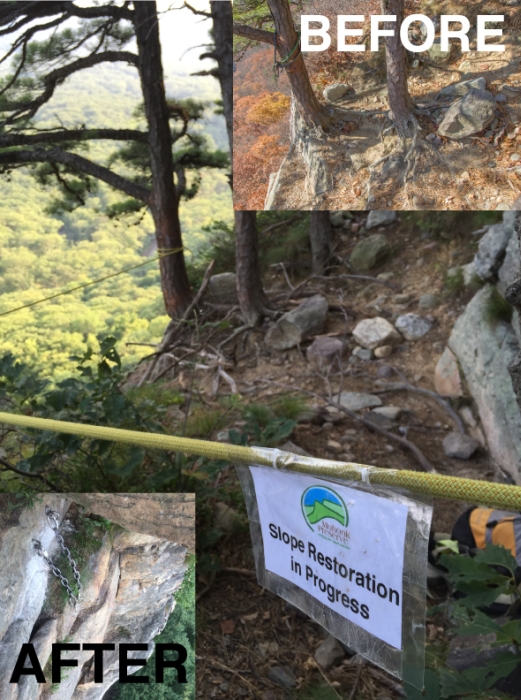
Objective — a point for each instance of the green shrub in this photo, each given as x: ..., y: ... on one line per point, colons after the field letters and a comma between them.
x: 497, y: 309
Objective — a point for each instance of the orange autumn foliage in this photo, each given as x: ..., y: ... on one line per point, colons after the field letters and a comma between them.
x: 253, y: 169
x: 268, y: 108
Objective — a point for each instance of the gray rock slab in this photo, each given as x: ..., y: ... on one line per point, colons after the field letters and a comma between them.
x: 412, y: 327
x: 372, y: 333
x: 380, y: 218
x: 391, y: 412
x: 329, y: 653
x: 283, y: 676
x: 222, y: 289
x: 492, y: 249
x: 459, y: 446
x: 469, y: 115
x: 356, y: 401
x: 484, y: 352
x: 510, y: 270
x: 460, y: 89
x: 295, y: 326
x: 369, y: 252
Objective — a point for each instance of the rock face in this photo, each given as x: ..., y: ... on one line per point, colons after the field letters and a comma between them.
x: 509, y: 270
x: 412, y: 327
x: 222, y: 289
x: 484, y: 352
x: 469, y: 115
x: 491, y: 251
x: 372, y: 333
x: 447, y: 379
x: 128, y: 583
x: 297, y: 325
x: 369, y: 252
x: 356, y: 401
x: 380, y: 218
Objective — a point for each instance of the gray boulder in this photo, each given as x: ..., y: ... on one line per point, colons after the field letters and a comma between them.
x: 436, y: 53
x: 372, y: 333
x: 369, y: 252
x: 459, y: 446
x: 380, y: 218
x: 336, y: 91
x: 222, y: 289
x: 412, y: 327
x: 297, y: 325
x: 324, y: 352
x: 356, y: 401
x: 491, y: 251
x: 460, y: 89
x: 340, y: 218
x: 484, y: 351
x: 469, y: 115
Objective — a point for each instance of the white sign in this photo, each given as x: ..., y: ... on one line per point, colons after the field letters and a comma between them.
x: 342, y: 546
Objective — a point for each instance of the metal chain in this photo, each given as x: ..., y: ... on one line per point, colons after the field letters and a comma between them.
x: 52, y: 517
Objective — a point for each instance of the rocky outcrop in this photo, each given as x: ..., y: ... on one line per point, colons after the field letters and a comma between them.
x: 128, y: 575
x: 484, y: 350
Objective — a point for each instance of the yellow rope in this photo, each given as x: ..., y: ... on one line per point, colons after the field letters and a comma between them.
x: 162, y: 254
x: 502, y: 496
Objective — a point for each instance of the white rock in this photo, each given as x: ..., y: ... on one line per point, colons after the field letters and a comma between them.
x: 391, y: 412
x: 356, y: 401
x: 383, y: 351
x: 459, y: 446
x: 375, y: 332
x: 380, y: 218
x: 412, y: 327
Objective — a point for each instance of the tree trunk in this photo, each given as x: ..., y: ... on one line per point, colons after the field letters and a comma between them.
x: 399, y: 99
x: 252, y: 300
x: 311, y: 110
x: 513, y: 296
x: 320, y: 236
x: 222, y: 18
x: 165, y: 200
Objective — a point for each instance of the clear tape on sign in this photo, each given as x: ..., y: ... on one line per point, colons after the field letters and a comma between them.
x: 406, y: 662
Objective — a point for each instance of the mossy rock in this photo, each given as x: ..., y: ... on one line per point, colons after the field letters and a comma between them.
x: 370, y: 252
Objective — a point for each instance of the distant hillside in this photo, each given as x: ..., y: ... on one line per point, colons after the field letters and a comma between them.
x: 42, y: 254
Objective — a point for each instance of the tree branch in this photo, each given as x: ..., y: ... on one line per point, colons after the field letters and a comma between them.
x: 254, y: 34
x: 57, y: 76
x: 16, y: 139
x: 76, y: 162
x: 12, y: 468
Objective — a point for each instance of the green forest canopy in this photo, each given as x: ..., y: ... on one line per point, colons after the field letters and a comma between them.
x: 41, y: 253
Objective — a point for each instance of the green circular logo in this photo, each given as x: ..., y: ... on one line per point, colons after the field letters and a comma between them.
x: 319, y: 503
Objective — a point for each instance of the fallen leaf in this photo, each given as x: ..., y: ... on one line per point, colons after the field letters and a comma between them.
x: 228, y: 627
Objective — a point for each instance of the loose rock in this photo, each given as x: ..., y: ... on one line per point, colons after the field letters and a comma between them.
x: 428, y: 301
x: 369, y: 252
x: 380, y: 218
x: 324, y: 352
x: 222, y: 289
x: 447, y: 380
x: 329, y: 653
x: 460, y: 89
x: 356, y: 401
x: 336, y: 91
x: 459, y: 445
x: 391, y: 412
x: 491, y: 251
x: 283, y: 676
x: 372, y: 333
x: 362, y: 353
x: 383, y: 351
x: 412, y: 327
x: 469, y: 115
x: 297, y: 325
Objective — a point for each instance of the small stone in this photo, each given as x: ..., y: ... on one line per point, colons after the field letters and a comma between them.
x: 468, y: 416
x: 294, y: 449
x: 402, y: 298
x: 378, y: 419
x: 459, y: 446
x: 383, y: 352
x: 369, y: 252
x: 336, y: 91
x: 329, y: 653
x: 334, y: 446
x: 515, y: 157
x: 428, y: 301
x: 356, y: 401
x: 362, y: 353
x: 327, y: 426
x: 391, y: 412
x: 384, y: 372
x: 389, y: 448
x: 283, y: 676
x: 431, y: 136
x: 324, y: 351
x: 501, y: 98
x: 412, y: 327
